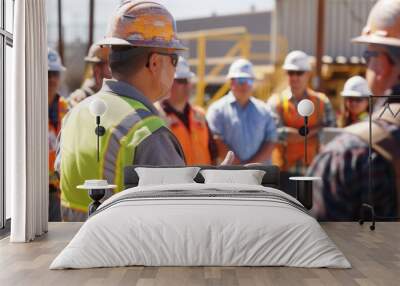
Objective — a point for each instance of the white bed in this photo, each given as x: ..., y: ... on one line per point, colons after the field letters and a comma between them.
x: 201, y: 225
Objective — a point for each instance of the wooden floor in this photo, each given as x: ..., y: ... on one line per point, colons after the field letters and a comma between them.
x: 375, y: 257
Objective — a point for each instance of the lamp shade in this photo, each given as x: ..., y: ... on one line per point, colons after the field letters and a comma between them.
x: 98, y: 107
x: 305, y: 107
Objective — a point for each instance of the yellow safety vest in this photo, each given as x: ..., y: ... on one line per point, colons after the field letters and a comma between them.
x: 127, y: 122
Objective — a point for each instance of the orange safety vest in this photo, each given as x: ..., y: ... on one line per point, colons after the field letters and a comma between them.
x: 53, y: 133
x: 287, y: 155
x: 194, y: 142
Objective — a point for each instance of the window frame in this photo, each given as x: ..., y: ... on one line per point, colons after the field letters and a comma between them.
x: 6, y: 39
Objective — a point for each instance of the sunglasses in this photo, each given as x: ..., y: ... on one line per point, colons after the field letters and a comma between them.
x: 183, y: 81
x: 296, y: 73
x: 368, y: 55
x: 356, y: 99
x: 174, y: 58
x: 243, y: 81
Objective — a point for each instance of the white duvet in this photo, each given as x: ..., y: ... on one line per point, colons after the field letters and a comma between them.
x: 183, y: 230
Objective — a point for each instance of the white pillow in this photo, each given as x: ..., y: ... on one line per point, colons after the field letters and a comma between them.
x: 163, y: 176
x: 248, y: 177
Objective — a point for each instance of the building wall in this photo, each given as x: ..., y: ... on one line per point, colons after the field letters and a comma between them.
x: 345, y: 19
x: 296, y: 20
x: 255, y: 22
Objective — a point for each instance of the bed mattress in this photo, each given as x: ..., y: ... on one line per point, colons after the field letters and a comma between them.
x: 201, y: 225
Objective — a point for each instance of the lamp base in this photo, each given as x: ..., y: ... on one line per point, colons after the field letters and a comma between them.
x: 96, y: 195
x: 100, y: 130
x: 303, y: 131
x: 96, y: 190
x: 304, y: 193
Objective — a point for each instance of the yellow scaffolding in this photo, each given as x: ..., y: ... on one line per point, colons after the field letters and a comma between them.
x: 241, y: 47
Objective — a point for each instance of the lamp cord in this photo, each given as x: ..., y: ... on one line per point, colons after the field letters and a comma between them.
x: 305, y: 140
x: 370, y: 199
x: 98, y: 138
x: 98, y: 147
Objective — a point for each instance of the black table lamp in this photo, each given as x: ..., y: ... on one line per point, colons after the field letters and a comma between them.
x: 97, y: 187
x: 304, y: 185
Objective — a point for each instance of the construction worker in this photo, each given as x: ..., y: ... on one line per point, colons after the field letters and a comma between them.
x: 344, y: 164
x: 289, y: 153
x: 355, y: 101
x: 143, y: 57
x: 97, y: 61
x: 241, y: 122
x: 58, y: 107
x: 186, y: 121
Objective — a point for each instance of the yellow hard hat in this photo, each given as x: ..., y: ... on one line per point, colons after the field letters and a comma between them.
x: 142, y: 24
x: 383, y: 25
x: 97, y: 54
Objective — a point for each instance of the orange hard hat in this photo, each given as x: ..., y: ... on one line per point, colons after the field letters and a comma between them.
x: 97, y: 54
x: 142, y: 24
x: 383, y: 25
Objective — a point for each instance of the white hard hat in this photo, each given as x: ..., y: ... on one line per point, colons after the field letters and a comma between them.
x: 383, y: 25
x: 54, y: 61
x: 356, y: 86
x: 97, y: 54
x: 297, y: 61
x: 241, y: 68
x: 183, y: 69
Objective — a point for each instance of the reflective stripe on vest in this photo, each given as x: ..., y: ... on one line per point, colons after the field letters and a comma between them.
x: 127, y: 122
x: 131, y: 124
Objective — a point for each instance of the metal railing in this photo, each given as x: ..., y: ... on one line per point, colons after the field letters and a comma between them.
x: 242, y: 43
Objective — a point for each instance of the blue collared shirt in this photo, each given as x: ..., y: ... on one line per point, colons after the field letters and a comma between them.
x: 243, y: 129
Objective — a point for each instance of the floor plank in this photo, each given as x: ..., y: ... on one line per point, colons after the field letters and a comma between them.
x: 374, y: 255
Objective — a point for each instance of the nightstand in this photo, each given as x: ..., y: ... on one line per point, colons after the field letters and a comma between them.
x: 96, y: 190
x: 304, y: 190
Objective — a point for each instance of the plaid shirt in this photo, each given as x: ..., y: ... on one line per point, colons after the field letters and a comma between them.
x: 343, y: 167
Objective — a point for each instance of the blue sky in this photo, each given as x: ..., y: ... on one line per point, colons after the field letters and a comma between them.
x: 75, y: 15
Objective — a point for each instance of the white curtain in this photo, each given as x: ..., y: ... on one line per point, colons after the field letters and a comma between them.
x: 26, y: 124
